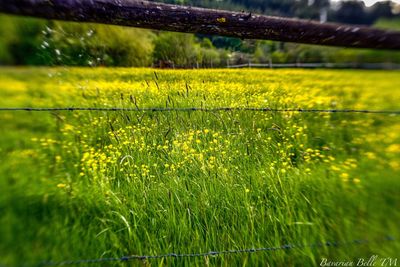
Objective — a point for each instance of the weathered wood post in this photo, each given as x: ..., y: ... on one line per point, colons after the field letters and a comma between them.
x: 159, y: 16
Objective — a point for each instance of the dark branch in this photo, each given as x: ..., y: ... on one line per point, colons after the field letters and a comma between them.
x: 158, y: 16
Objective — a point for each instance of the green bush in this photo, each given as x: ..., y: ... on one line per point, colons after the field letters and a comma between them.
x: 38, y: 42
x: 179, y: 48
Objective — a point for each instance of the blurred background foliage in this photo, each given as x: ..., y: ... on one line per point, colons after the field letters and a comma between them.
x: 28, y: 41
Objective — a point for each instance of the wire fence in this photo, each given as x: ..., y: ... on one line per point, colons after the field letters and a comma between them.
x: 190, y: 109
x: 285, y: 247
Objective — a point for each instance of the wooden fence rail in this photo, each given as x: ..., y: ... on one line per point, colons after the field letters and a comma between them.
x: 177, y: 18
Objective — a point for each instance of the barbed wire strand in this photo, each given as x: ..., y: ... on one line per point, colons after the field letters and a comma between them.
x: 189, y: 109
x: 214, y: 253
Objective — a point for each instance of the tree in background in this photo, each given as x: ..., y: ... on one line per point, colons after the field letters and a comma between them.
x: 352, y: 12
x: 381, y: 10
x: 355, y: 12
x: 209, y: 54
x: 180, y: 48
x: 312, y: 9
x: 263, y: 51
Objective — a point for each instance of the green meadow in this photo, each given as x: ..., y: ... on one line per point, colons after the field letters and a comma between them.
x: 96, y: 184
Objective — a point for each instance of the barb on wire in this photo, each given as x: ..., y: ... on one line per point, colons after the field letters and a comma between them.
x: 190, y: 109
x: 215, y: 253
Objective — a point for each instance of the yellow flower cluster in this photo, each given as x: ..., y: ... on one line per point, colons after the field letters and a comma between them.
x: 133, y: 145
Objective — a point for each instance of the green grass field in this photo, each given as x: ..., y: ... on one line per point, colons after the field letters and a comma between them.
x: 82, y: 185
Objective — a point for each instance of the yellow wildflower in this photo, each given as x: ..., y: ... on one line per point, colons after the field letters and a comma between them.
x: 61, y: 185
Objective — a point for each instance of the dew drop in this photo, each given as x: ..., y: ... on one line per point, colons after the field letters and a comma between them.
x: 49, y: 30
x: 89, y: 33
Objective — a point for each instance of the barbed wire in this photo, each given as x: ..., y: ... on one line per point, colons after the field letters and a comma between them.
x: 215, y: 253
x: 189, y: 109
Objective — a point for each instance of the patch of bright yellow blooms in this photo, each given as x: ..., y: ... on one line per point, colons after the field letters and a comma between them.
x: 135, y: 149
